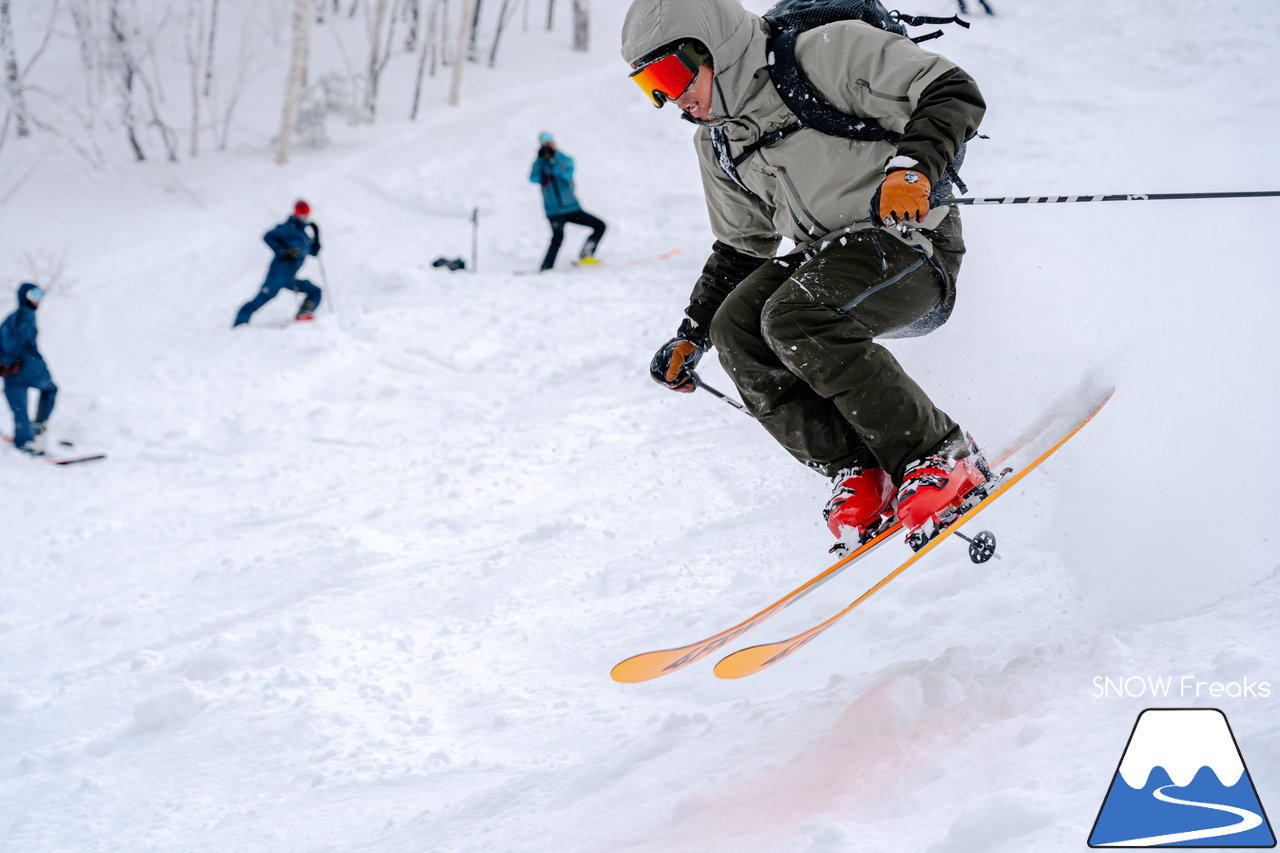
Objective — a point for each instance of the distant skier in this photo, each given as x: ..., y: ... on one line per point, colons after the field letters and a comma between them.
x: 291, y: 241
x: 553, y: 170
x: 24, y: 369
x: 875, y: 255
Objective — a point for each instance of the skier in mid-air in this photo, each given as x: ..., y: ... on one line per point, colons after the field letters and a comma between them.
x: 291, y: 242
x: 553, y: 171
x: 873, y: 258
x: 24, y: 370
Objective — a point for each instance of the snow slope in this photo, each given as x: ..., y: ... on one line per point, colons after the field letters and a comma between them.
x: 357, y: 585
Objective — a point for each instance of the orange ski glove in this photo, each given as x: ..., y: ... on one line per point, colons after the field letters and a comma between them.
x: 903, y: 196
x: 672, y: 363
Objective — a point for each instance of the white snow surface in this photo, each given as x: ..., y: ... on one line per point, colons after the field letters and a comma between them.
x: 357, y: 585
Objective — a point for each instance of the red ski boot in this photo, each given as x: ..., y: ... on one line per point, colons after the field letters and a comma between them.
x: 935, y: 490
x: 860, y: 499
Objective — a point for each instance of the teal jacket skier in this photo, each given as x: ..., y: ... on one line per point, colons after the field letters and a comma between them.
x: 553, y: 171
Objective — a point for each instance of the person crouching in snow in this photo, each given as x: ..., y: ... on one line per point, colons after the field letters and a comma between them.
x: 24, y: 369
x: 553, y: 170
x: 291, y: 241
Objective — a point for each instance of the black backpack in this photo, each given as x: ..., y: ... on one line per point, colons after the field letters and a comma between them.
x: 787, y: 19
x: 10, y: 364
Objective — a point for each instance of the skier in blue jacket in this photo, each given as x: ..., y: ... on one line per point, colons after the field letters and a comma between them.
x: 24, y: 369
x: 553, y: 170
x: 291, y: 242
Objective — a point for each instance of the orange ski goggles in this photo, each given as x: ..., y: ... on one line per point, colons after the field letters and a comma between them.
x: 668, y: 76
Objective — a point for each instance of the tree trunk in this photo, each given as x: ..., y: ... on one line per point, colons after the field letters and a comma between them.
x: 196, y: 63
x: 465, y: 26
x: 426, y: 45
x: 413, y: 17
x: 208, y: 69
x: 376, y: 59
x: 472, y: 51
x: 582, y: 25
x: 127, y: 74
x: 297, y: 71
x: 551, y: 14
x: 497, y: 36
x: 13, y: 80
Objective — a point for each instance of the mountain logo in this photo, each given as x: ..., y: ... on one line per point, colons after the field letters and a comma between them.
x: 1182, y: 782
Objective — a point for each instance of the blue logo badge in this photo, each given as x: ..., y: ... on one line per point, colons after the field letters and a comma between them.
x: 1182, y: 783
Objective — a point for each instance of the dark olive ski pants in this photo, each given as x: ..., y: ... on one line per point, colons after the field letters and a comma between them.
x: 798, y: 337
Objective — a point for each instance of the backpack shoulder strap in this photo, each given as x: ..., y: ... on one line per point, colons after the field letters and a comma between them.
x: 808, y: 105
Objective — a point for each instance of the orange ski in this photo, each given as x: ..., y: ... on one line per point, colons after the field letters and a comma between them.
x: 650, y: 665
x: 753, y: 659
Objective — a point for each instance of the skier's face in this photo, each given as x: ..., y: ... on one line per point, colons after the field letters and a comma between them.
x: 696, y: 100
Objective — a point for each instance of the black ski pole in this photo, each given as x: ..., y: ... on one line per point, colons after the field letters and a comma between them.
x: 475, y: 238
x: 324, y: 279
x: 697, y: 380
x: 1076, y: 199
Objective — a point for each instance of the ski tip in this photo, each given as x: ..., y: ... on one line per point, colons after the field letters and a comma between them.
x: 646, y: 667
x: 746, y: 661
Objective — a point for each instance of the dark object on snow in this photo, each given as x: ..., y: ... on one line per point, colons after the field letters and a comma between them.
x: 291, y: 242
x: 452, y: 265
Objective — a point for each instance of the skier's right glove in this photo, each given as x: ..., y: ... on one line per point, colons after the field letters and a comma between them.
x: 292, y: 253
x: 673, y: 363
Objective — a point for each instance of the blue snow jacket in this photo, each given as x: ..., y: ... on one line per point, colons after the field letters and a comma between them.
x: 556, y: 177
x: 18, y: 341
x: 290, y: 234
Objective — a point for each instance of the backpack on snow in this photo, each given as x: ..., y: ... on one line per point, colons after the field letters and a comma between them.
x: 787, y: 19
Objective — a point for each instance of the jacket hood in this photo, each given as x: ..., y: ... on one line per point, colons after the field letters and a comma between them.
x: 23, y: 290
x: 735, y: 37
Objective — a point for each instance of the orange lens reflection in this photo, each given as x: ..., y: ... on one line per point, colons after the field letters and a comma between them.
x: 665, y: 79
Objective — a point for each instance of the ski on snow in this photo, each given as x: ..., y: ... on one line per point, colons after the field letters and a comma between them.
x: 604, y: 264
x: 650, y: 665
x: 46, y: 459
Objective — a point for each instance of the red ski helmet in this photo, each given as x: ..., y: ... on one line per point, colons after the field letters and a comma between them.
x: 301, y: 208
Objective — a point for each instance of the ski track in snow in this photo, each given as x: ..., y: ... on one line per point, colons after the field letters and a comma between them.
x: 357, y: 585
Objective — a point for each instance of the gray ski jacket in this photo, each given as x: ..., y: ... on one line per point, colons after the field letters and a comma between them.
x: 811, y: 186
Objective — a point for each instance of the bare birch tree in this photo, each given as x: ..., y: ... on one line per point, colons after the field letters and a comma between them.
x: 426, y: 45
x: 582, y: 25
x: 209, y: 52
x: 465, y: 28
x: 297, y: 72
x: 378, y: 56
x: 12, y: 77
x: 123, y: 61
x: 197, y: 64
x: 497, y: 35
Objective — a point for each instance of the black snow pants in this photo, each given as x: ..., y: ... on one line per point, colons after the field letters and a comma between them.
x: 798, y: 337
x: 577, y: 217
